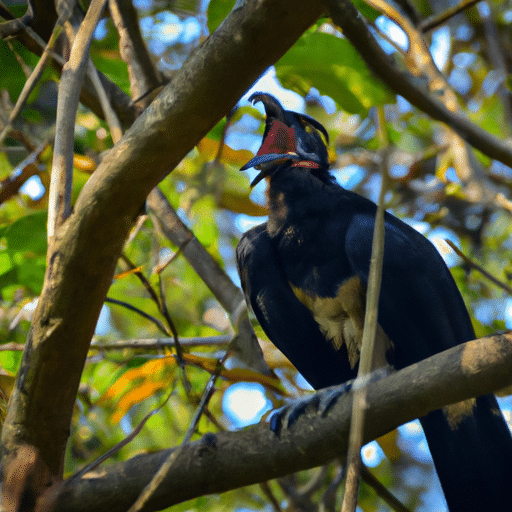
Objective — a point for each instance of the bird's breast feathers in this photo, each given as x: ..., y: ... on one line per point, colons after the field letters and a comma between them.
x: 341, y: 318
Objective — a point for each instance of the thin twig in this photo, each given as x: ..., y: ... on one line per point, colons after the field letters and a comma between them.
x: 31, y: 82
x: 381, y: 490
x: 267, y: 491
x: 10, y: 186
x: 114, y: 125
x: 143, y: 279
x: 126, y: 305
x: 479, y: 268
x: 438, y: 19
x: 125, y: 441
x: 179, y: 350
x: 366, y: 361
x: 162, y: 265
x: 154, y: 343
x: 165, y: 312
x: 159, y: 300
x: 12, y: 346
x: 329, y: 496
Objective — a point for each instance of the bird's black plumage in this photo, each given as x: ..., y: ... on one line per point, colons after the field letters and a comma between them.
x: 304, y: 273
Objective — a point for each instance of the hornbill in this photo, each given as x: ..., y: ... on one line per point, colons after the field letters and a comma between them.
x: 305, y: 271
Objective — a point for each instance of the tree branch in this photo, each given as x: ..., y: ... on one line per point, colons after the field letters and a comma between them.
x: 206, y: 466
x: 67, y: 104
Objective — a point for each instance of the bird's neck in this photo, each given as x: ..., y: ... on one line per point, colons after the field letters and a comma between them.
x: 293, y: 193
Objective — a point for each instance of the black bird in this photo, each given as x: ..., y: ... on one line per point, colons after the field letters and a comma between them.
x: 304, y: 273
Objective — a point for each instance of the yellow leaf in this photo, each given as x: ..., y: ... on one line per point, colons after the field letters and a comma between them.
x: 135, y: 376
x: 240, y: 202
x: 236, y: 374
x: 128, y: 272
x: 209, y: 149
x: 388, y: 443
x: 84, y: 163
x: 135, y: 396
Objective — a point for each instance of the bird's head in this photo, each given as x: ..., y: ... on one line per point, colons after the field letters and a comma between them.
x: 289, y: 137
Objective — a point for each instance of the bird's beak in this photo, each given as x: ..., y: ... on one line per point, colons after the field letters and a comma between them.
x: 288, y: 136
x: 279, y: 140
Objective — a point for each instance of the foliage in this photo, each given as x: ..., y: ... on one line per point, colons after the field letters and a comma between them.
x: 439, y: 184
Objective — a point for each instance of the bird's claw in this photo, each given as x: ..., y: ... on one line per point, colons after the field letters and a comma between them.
x: 321, y: 402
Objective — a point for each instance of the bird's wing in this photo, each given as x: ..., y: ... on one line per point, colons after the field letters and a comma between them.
x: 287, y: 322
x: 420, y: 307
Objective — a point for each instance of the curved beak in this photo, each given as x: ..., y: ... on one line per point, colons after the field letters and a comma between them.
x: 286, y: 138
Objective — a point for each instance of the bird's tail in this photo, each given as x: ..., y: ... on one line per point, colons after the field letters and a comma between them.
x: 472, y: 457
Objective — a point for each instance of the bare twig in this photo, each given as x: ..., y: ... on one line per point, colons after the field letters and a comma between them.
x: 328, y: 502
x: 12, y: 346
x: 366, y: 360
x: 69, y: 91
x: 114, y: 125
x: 273, y: 501
x: 31, y: 82
x: 479, y: 268
x: 179, y: 350
x: 438, y: 19
x: 159, y: 300
x: 381, y: 490
x: 148, y: 344
x: 143, y: 279
x: 14, y: 25
x: 11, y: 185
x: 152, y: 319
x: 130, y: 437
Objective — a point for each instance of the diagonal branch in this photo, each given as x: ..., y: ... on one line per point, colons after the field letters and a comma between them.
x: 69, y: 91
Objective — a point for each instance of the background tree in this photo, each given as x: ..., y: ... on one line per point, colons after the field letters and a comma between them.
x: 70, y: 239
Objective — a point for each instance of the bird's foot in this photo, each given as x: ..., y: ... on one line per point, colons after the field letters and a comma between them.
x: 321, y: 402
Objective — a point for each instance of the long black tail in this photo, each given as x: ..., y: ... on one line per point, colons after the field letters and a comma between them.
x: 473, y: 458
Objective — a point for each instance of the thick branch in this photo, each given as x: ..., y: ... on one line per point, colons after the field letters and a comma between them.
x: 90, y: 242
x: 207, y: 465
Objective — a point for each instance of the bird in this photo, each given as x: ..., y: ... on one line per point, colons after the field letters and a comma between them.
x: 304, y: 273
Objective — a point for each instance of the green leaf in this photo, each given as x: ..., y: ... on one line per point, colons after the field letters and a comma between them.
x: 217, y: 12
x: 27, y: 234
x: 13, y: 80
x: 25, y: 241
x: 366, y: 10
x: 5, y: 263
x: 334, y: 67
x: 114, y: 68
x: 31, y: 273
